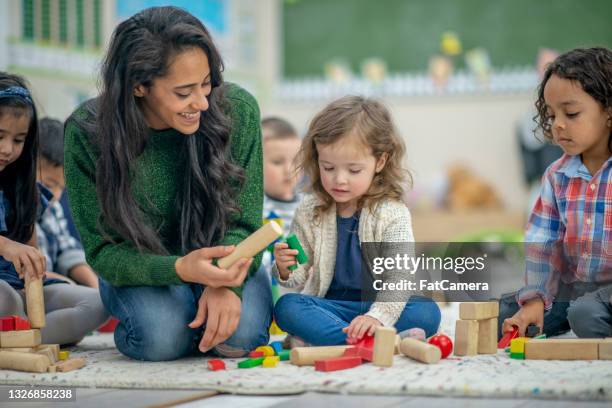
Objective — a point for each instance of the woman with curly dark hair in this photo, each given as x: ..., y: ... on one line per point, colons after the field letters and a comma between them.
x: 569, y: 234
x: 164, y: 174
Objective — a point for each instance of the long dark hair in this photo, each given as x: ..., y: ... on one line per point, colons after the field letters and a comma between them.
x: 18, y: 179
x: 141, y: 49
x: 591, y: 68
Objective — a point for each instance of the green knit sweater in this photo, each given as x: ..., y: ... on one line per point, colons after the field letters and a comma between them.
x: 157, y: 175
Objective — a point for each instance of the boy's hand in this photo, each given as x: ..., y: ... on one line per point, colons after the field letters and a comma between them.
x: 284, y: 258
x: 531, y: 312
x: 25, y: 258
x: 360, y: 326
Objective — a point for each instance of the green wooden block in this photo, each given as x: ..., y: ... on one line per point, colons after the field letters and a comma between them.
x: 517, y: 356
x: 251, y: 362
x: 294, y: 243
x: 284, y: 355
x: 507, y: 349
x: 541, y: 336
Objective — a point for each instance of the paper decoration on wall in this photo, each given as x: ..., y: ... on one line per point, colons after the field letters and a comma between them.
x: 450, y: 44
x: 374, y: 70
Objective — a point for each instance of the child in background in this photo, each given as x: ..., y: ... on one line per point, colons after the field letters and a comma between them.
x: 569, y: 234
x: 352, y: 156
x: 72, y: 311
x: 281, y: 144
x: 64, y: 253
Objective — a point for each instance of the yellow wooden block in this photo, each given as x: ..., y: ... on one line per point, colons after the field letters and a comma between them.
x: 518, y: 345
x: 266, y: 350
x: 271, y: 362
x: 63, y: 355
x: 274, y: 329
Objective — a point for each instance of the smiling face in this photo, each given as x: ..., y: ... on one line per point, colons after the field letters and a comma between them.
x: 177, y: 99
x: 579, y: 124
x: 14, y: 126
x: 347, y: 168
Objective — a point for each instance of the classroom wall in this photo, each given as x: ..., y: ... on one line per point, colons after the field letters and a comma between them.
x: 478, y: 130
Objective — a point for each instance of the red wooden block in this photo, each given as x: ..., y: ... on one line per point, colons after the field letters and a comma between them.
x: 109, y: 327
x: 366, y: 354
x: 255, y: 354
x: 340, y: 363
x: 351, y: 352
x: 216, y: 365
x: 505, y: 341
x: 7, y: 323
x: 21, y: 323
x: 366, y: 341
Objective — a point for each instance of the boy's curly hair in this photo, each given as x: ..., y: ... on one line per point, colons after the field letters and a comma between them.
x: 369, y: 121
x: 591, y: 68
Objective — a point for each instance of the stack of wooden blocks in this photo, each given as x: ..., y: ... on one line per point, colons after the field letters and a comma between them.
x: 20, y: 340
x: 476, y: 331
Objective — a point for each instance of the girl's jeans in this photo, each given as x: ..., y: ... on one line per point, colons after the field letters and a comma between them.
x: 320, y: 321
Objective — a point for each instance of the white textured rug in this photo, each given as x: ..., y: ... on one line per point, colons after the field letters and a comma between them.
x: 493, y: 376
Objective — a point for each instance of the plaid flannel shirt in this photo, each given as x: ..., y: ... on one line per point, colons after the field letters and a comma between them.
x: 569, y: 234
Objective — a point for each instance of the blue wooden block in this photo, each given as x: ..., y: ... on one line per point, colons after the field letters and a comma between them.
x: 277, y: 346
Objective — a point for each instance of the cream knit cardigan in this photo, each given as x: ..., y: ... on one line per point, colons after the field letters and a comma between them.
x: 391, y: 222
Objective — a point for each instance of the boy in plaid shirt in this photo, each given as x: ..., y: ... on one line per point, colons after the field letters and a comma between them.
x: 64, y: 252
x: 569, y: 234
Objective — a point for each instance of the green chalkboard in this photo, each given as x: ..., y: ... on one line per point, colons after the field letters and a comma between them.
x: 405, y: 33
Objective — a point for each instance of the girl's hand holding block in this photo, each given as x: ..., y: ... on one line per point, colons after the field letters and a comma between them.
x: 285, y: 257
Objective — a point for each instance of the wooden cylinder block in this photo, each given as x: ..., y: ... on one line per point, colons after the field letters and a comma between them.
x: 420, y: 351
x: 253, y: 244
x: 302, y: 356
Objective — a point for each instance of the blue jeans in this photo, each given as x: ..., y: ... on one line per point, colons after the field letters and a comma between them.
x: 153, y: 319
x: 320, y: 321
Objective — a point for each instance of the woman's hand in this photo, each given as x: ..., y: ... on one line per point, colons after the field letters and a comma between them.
x: 220, y: 309
x: 360, y: 326
x: 531, y: 312
x: 197, y: 267
x: 284, y: 258
x: 25, y: 258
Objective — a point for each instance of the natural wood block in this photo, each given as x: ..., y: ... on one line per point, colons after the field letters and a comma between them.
x: 20, y: 338
x: 20, y: 349
x: 466, y: 337
x: 605, y: 349
x: 30, y: 362
x: 302, y: 356
x: 398, y: 340
x: 70, y: 364
x: 562, y: 349
x: 253, y: 244
x: 54, y: 347
x: 35, y: 301
x: 384, y: 346
x: 478, y: 310
x: 487, y: 336
x: 47, y: 351
x: 420, y: 351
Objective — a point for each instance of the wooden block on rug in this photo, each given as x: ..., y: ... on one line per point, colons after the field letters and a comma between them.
x: 466, y: 337
x: 605, y: 349
x: 478, y: 310
x: 301, y: 356
x: 420, y: 351
x: 30, y: 362
x: 384, y: 346
x: 68, y: 365
x: 54, y: 347
x: 47, y: 351
x: 487, y: 336
x: 20, y: 338
x: 335, y: 364
x: 562, y: 349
